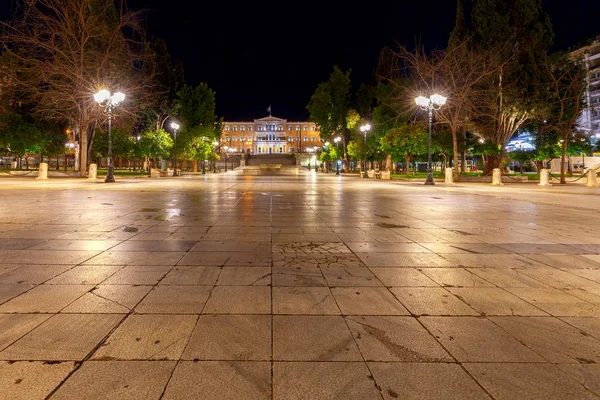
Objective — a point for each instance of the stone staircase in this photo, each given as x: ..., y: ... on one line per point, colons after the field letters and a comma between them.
x: 257, y: 160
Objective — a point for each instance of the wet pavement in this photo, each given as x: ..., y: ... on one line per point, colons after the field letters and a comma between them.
x: 310, y: 287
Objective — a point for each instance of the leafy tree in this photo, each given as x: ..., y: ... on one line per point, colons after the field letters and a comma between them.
x: 156, y: 144
x: 329, y: 105
x: 60, y: 52
x: 405, y: 142
x: 20, y: 136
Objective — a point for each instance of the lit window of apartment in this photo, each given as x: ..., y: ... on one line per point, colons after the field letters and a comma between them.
x: 312, y: 139
x: 305, y: 127
x: 235, y: 127
x: 306, y: 138
x: 297, y: 138
x: 227, y: 138
x: 313, y: 128
x: 227, y: 127
x: 249, y: 127
x: 289, y: 127
x: 242, y: 128
x: 235, y: 138
x: 297, y: 127
x: 241, y: 138
x: 290, y: 138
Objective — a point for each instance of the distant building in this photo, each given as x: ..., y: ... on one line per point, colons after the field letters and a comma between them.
x: 270, y: 135
x: 589, y: 121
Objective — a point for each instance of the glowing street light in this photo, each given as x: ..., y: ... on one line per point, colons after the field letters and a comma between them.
x: 337, y: 162
x: 364, y: 129
x: 435, y: 102
x: 175, y: 126
x: 215, y: 144
x: 108, y: 101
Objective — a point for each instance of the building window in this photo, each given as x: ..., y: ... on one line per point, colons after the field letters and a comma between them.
x: 235, y: 127
x: 227, y: 138
x: 242, y: 128
x: 281, y: 149
x: 227, y: 128
x: 290, y: 138
x: 235, y: 138
x: 305, y: 127
x: 297, y: 127
x: 289, y: 127
x: 260, y: 128
x: 297, y: 138
x: 313, y: 128
x: 241, y: 138
x: 259, y: 148
x: 249, y: 127
x: 306, y: 138
x: 312, y: 139
x: 280, y: 127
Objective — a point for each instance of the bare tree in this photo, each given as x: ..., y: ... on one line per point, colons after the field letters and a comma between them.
x: 60, y: 52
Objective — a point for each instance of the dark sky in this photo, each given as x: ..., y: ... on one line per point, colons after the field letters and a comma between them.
x: 256, y: 54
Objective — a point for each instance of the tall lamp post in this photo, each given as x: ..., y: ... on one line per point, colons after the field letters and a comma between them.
x: 215, y: 144
x: 435, y: 102
x: 226, y: 148
x: 108, y: 101
x: 175, y: 126
x: 364, y: 129
x: 337, y: 161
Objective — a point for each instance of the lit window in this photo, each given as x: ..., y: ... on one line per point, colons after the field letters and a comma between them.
x: 260, y: 128
x: 305, y: 127
x: 280, y: 127
x: 235, y: 127
x: 306, y: 138
x: 235, y: 138
x: 297, y: 127
x: 289, y: 127
x: 227, y: 138
x: 242, y: 128
x: 260, y: 148
x: 281, y: 149
x: 290, y: 138
x: 249, y: 127
x: 241, y: 138
x: 227, y: 128
x: 312, y: 139
x: 314, y: 128
x: 297, y: 138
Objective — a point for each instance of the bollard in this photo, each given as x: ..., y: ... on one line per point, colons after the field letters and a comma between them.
x: 93, y: 174
x: 43, y: 171
x: 544, y: 178
x: 591, y: 177
x: 497, y: 177
x: 449, y: 178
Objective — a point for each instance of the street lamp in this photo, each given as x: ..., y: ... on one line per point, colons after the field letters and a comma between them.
x: 226, y: 156
x: 435, y: 102
x: 175, y: 126
x: 108, y: 101
x: 215, y: 143
x: 364, y: 129
x: 337, y: 161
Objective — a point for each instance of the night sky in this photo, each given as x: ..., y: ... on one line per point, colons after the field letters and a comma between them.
x: 256, y: 54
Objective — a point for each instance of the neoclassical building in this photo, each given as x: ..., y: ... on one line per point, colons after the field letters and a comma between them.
x: 270, y: 135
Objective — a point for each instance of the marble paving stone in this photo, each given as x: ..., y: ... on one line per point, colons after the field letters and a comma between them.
x: 45, y: 299
x: 374, y: 260
x: 560, y: 279
x: 491, y: 260
x: 304, y: 300
x: 18, y: 244
x: 174, y: 299
x: 191, y: 275
x: 425, y: 381
x: 71, y: 244
x: 62, y: 337
x: 395, y: 339
x: 50, y: 257
x: 14, y: 326
x: 495, y: 301
x: 323, y: 380
x: 230, y: 337
x: 148, y: 337
x: 527, y: 381
x: 455, y: 277
x: 590, y: 326
x: 111, y: 299
x: 4, y: 268
x: 588, y: 273
x: 566, y: 260
x: 476, y: 339
x: 586, y: 374
x: 12, y: 290
x: 557, y: 302
x: 205, y: 258
x: 313, y: 338
x: 33, y: 274
x: 138, y: 275
x: 117, y: 380
x: 221, y: 380
x: 553, y: 339
x: 227, y: 246
x: 137, y: 258
x: 156, y: 245
x: 297, y: 276
x: 350, y: 276
x: 367, y: 301
x: 85, y: 274
x: 507, y: 277
x: 403, y: 277
x: 245, y: 276
x: 463, y: 248
x: 587, y: 248
x: 31, y: 380
x: 362, y: 247
x: 530, y: 248
x: 239, y: 300
x: 431, y: 301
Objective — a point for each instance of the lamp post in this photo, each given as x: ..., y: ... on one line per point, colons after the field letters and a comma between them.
x: 215, y: 143
x: 175, y: 126
x: 108, y: 101
x: 364, y: 129
x: 337, y: 161
x: 226, y: 157
x: 435, y: 102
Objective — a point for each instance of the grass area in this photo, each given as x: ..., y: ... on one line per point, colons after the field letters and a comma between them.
x: 124, y: 172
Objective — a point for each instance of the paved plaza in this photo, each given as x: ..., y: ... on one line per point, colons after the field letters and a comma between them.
x: 311, y: 287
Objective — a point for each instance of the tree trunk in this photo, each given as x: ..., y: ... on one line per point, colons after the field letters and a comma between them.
x: 455, y: 154
x: 388, y: 162
x: 406, y: 165
x: 195, y: 166
x: 563, y: 158
x: 491, y: 162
